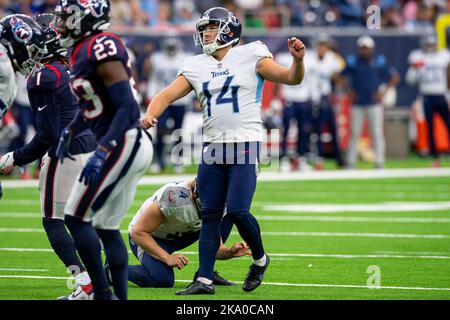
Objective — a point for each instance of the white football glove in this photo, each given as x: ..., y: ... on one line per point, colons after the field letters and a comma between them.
x: 7, y: 163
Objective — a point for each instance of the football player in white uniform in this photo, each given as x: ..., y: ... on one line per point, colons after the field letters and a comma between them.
x: 166, y: 222
x: 228, y: 80
x: 430, y: 70
x: 164, y: 69
x: 324, y: 68
x: 297, y: 105
x: 8, y: 86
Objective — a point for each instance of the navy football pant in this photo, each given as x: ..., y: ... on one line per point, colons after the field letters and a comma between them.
x: 230, y: 179
x: 432, y: 104
x: 177, y: 114
x: 324, y: 116
x: 301, y: 112
x: 152, y: 273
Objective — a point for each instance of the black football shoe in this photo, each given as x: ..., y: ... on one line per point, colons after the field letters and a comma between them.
x: 254, y: 276
x: 197, y: 287
x: 218, y: 280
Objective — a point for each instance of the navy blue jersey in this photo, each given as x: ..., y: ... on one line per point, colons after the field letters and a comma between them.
x: 366, y: 76
x: 54, y: 106
x: 97, y: 108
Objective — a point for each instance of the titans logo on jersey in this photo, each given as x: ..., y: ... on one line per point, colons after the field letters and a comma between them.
x: 230, y: 92
x: 88, y: 87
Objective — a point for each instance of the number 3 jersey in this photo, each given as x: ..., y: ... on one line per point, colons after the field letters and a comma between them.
x: 229, y: 92
x: 178, y: 208
x: 95, y: 102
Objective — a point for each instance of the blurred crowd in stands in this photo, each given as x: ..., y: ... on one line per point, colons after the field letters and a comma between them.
x: 160, y: 14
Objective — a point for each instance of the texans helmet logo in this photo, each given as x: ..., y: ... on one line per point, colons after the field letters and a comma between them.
x: 22, y: 32
x: 96, y: 7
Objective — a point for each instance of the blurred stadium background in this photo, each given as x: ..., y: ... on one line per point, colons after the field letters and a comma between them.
x: 328, y: 228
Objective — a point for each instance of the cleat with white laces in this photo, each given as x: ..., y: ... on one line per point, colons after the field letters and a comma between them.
x: 81, y: 293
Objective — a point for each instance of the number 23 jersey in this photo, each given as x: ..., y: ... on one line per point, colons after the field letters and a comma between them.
x: 96, y: 105
x: 229, y: 92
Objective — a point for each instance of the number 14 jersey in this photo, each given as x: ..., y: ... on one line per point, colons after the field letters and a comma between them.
x: 229, y: 92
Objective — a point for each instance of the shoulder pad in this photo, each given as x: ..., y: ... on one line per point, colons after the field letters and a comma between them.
x: 173, y: 197
x: 48, y: 78
x: 106, y: 47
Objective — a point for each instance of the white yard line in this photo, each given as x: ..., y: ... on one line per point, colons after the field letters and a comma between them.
x: 354, y: 219
x: 371, y: 207
x: 284, y: 176
x: 34, y: 277
x: 290, y: 234
x: 37, y: 215
x: 401, y: 255
x: 29, y: 270
x: 354, y: 234
x: 414, y: 252
x: 283, y: 284
x: 346, y: 256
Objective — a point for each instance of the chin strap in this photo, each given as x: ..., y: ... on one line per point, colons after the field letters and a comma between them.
x: 209, y: 49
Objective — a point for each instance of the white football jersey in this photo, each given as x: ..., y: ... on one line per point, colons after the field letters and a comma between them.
x: 164, y: 71
x: 321, y: 72
x: 429, y: 71
x: 229, y: 92
x: 177, y: 206
x: 8, y: 87
x: 300, y: 92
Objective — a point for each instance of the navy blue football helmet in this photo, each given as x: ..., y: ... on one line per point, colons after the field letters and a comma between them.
x: 228, y: 29
x: 77, y: 19
x: 47, y: 23
x: 25, y: 41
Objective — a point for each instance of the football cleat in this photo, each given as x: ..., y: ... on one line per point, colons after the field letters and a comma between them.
x: 197, y: 287
x: 254, y: 276
x: 81, y: 293
x: 218, y: 280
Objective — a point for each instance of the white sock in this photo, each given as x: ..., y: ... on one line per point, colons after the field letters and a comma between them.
x: 204, y: 280
x: 83, y: 278
x: 260, y: 262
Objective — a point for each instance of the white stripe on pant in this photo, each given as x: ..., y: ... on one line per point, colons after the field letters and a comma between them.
x: 110, y: 215
x: 63, y: 179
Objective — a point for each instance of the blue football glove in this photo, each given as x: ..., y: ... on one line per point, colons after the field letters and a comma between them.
x: 62, y: 150
x: 91, y: 171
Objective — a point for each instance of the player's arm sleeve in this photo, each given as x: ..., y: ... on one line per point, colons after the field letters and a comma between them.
x: 186, y: 70
x: 412, y: 76
x: 166, y: 202
x: 170, y: 200
x: 261, y: 51
x: 78, y: 123
x: 121, y: 94
x: 47, y: 126
x: 127, y: 113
